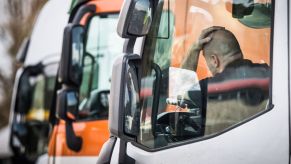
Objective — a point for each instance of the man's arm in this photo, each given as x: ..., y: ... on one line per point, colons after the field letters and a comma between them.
x: 191, y: 60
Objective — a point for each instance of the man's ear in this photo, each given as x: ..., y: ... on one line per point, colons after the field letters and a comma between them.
x: 215, y: 61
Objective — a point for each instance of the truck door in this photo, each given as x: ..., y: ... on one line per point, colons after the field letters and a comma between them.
x: 230, y: 108
x: 96, y: 45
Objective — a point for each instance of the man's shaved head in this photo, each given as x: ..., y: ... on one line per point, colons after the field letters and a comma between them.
x: 222, y: 49
x: 223, y: 43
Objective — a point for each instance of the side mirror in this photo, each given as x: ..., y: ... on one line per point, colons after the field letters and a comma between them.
x: 125, y: 91
x: 70, y: 74
x: 70, y: 71
x: 25, y: 88
x: 135, y: 18
x: 67, y: 109
x: 21, y: 104
x: 67, y: 105
x: 24, y: 94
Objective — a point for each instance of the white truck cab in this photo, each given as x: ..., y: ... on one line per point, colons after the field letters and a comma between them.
x: 28, y: 128
x: 211, y: 83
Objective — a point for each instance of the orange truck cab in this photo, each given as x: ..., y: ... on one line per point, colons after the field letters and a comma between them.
x: 80, y: 104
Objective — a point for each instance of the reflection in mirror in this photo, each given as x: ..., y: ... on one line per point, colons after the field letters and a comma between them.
x: 77, y: 45
x: 241, y: 8
x: 141, y: 18
x: 72, y: 104
x: 260, y: 17
x: 252, y: 13
x: 131, y: 102
x: 77, y: 52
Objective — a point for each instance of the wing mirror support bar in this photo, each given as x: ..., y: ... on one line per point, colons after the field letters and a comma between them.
x: 75, y: 142
x: 156, y: 96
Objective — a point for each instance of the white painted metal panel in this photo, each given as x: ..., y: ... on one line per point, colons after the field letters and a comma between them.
x: 46, y: 42
x: 264, y: 139
x: 74, y: 160
x: 47, y: 35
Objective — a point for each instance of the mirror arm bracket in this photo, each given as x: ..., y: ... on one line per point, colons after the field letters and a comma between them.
x: 128, y: 45
x: 156, y: 96
x: 74, y: 142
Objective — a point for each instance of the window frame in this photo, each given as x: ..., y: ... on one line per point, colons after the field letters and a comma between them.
x: 87, y: 28
x: 269, y: 106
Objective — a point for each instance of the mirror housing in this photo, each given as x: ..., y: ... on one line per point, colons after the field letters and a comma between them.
x: 124, y: 86
x: 67, y: 104
x: 70, y: 75
x: 70, y: 71
x: 25, y: 88
x: 67, y: 109
x: 135, y: 18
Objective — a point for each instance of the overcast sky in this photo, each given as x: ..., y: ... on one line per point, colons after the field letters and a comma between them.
x: 5, y: 62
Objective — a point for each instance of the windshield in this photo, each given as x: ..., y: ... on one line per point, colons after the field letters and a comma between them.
x: 215, y: 68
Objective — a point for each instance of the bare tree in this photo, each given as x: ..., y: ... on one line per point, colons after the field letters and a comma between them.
x: 21, y: 15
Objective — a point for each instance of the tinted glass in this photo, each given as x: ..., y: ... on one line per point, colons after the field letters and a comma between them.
x: 102, y: 47
x: 215, y: 68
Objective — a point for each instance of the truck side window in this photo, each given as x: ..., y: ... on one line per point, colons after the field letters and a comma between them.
x: 102, y: 46
x: 215, y: 68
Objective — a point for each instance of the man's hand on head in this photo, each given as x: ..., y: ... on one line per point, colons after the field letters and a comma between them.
x: 191, y: 60
x: 206, y: 36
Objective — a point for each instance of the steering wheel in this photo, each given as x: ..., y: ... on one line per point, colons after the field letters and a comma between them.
x: 178, y: 126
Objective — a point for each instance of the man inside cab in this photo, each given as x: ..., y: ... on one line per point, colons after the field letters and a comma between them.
x: 236, y: 84
x: 221, y: 51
